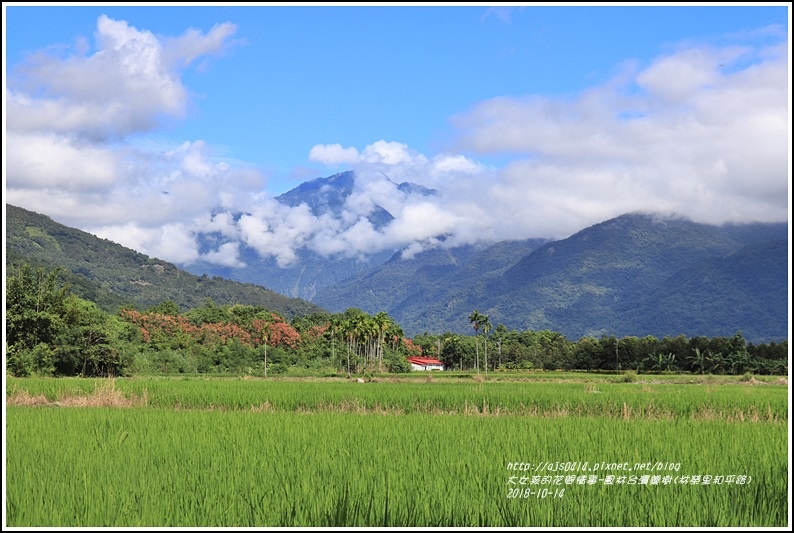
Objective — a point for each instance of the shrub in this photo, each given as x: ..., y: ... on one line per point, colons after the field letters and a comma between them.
x: 397, y: 364
x: 277, y: 368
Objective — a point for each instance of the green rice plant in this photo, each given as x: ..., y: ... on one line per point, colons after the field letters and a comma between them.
x: 614, y: 400
x: 150, y: 467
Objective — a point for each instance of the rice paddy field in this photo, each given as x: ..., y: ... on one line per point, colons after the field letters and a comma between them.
x: 458, y: 452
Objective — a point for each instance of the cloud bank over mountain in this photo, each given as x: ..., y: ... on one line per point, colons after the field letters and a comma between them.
x: 702, y: 131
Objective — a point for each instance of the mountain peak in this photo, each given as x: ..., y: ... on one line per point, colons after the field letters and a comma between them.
x: 321, y: 194
x: 329, y: 195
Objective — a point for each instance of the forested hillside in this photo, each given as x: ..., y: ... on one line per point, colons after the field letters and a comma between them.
x: 112, y: 276
x: 637, y: 274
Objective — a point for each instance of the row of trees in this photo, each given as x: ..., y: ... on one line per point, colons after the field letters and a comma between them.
x: 550, y: 350
x: 52, y: 332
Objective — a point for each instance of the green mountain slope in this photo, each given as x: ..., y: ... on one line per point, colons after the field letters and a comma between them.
x: 112, y: 275
x: 426, y: 292
x: 636, y: 275
x: 755, y: 302
x: 615, y: 277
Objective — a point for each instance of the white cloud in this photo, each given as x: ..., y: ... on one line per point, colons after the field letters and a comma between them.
x: 69, y: 121
x: 356, y: 239
x: 126, y: 86
x: 333, y: 154
x: 87, y: 103
x: 276, y: 230
x: 703, y: 132
x: 679, y: 77
x: 420, y: 221
x: 69, y: 164
x: 227, y: 254
x: 387, y: 153
x: 185, y: 49
x: 445, y: 164
x: 171, y: 242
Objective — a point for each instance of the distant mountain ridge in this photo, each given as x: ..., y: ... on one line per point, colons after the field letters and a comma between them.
x: 624, y: 277
x: 637, y: 274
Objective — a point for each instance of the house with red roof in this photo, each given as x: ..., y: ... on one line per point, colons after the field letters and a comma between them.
x: 425, y: 363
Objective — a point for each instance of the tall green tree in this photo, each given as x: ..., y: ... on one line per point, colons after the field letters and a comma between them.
x: 485, y: 324
x: 475, y: 318
x: 51, y: 331
x: 35, y: 308
x: 500, y: 333
x: 382, y: 322
x: 452, y: 352
x: 89, y: 346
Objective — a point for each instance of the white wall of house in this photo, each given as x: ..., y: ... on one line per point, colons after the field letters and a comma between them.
x: 414, y: 366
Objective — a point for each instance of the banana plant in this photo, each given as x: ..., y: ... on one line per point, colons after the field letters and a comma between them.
x: 740, y: 362
x: 698, y: 361
x: 716, y: 362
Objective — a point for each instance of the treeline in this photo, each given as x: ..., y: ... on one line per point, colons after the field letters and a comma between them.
x: 53, y: 332
x: 549, y: 350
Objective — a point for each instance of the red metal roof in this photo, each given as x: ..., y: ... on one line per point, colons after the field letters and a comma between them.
x: 424, y: 361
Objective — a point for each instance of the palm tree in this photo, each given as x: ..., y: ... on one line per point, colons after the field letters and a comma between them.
x: 348, y: 334
x: 486, y: 327
x: 333, y: 326
x: 370, y: 330
x: 476, y: 321
x: 382, y: 320
x: 358, y: 328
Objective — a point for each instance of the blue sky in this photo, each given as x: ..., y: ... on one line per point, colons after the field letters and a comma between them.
x: 142, y: 124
